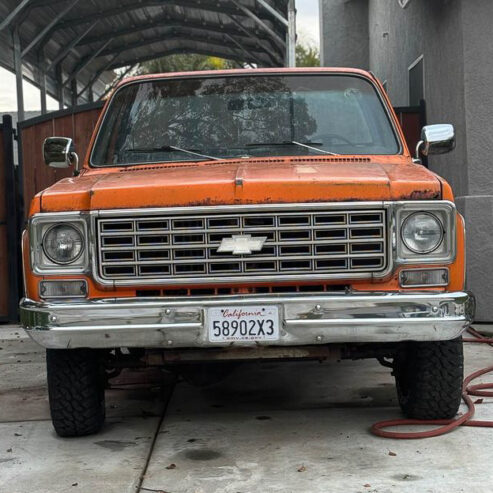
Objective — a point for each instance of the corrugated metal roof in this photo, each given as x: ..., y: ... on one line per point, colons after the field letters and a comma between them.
x: 105, y: 35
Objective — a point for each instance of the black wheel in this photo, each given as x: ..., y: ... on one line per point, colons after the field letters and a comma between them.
x: 429, y: 378
x: 76, y: 391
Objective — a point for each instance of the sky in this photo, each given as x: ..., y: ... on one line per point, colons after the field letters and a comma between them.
x: 307, y: 27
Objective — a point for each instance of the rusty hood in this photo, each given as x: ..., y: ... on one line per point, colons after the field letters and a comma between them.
x: 244, y: 182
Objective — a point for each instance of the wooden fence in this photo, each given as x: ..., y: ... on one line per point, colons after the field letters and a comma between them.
x: 77, y: 123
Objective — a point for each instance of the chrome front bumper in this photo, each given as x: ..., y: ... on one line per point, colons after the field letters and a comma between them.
x: 314, y: 319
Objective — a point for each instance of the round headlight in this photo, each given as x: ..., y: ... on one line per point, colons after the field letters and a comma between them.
x: 422, y: 232
x: 63, y: 244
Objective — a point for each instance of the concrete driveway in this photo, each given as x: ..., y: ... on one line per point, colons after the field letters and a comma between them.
x: 291, y: 428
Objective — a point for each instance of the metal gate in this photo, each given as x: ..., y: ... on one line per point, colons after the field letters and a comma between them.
x: 9, y: 226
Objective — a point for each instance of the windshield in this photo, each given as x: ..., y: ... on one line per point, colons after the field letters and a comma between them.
x: 198, y: 119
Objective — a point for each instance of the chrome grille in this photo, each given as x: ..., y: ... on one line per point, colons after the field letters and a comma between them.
x: 184, y: 247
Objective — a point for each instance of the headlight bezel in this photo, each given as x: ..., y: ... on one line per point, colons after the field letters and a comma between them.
x: 445, y: 252
x: 40, y: 225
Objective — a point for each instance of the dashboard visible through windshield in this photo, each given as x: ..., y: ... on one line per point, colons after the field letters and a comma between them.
x: 214, y: 118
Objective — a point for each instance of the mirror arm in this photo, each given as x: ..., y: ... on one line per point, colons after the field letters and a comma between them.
x: 75, y: 159
x: 417, y: 159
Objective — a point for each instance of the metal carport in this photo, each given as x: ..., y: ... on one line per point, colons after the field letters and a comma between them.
x: 68, y: 48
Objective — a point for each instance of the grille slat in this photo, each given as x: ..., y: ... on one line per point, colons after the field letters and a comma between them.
x: 171, y: 247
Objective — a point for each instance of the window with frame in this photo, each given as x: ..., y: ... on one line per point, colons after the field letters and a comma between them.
x: 416, y: 82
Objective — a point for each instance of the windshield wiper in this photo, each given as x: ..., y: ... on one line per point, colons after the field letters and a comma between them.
x: 308, y: 145
x: 170, y: 148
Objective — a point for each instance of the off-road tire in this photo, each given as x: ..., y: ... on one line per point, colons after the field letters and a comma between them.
x: 76, y: 391
x: 429, y: 378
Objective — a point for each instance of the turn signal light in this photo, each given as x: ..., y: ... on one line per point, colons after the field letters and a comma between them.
x: 423, y: 278
x: 63, y: 289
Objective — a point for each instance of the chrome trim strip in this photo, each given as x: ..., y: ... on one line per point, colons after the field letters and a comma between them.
x: 305, y: 319
x: 241, y: 208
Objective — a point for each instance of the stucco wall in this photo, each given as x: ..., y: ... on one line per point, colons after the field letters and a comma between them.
x: 432, y: 29
x: 344, y: 33
x: 395, y: 38
x: 477, y: 203
x: 456, y: 39
x: 477, y: 18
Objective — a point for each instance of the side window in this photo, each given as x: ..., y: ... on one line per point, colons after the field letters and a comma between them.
x: 416, y: 81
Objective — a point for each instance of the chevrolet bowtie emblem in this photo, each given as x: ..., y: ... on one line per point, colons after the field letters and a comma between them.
x: 242, y: 244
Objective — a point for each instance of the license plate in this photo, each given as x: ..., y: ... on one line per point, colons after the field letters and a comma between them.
x: 249, y: 323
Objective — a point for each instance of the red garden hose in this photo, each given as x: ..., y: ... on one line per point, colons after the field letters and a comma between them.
x: 446, y: 425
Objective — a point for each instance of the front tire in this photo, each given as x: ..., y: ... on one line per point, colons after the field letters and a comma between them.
x: 429, y: 378
x: 76, y: 391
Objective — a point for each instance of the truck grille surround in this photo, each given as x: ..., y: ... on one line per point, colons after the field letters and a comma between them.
x: 183, y: 248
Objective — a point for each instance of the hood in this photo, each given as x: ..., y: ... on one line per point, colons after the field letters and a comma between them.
x: 244, y: 182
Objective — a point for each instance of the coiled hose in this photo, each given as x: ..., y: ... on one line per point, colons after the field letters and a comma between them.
x: 443, y: 426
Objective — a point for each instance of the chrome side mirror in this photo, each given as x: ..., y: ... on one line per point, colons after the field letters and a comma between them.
x: 58, y: 152
x: 436, y: 139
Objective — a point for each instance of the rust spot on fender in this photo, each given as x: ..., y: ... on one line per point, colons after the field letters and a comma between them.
x: 422, y: 195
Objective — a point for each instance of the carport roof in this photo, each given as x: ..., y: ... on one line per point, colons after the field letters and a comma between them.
x: 82, y: 40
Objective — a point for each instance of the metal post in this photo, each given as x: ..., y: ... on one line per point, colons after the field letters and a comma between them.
x: 291, y: 35
x: 73, y: 92
x: 59, y: 86
x: 42, y: 81
x: 44, y: 107
x: 18, y: 72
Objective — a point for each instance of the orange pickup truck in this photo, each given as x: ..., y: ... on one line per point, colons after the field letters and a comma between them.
x: 251, y: 214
